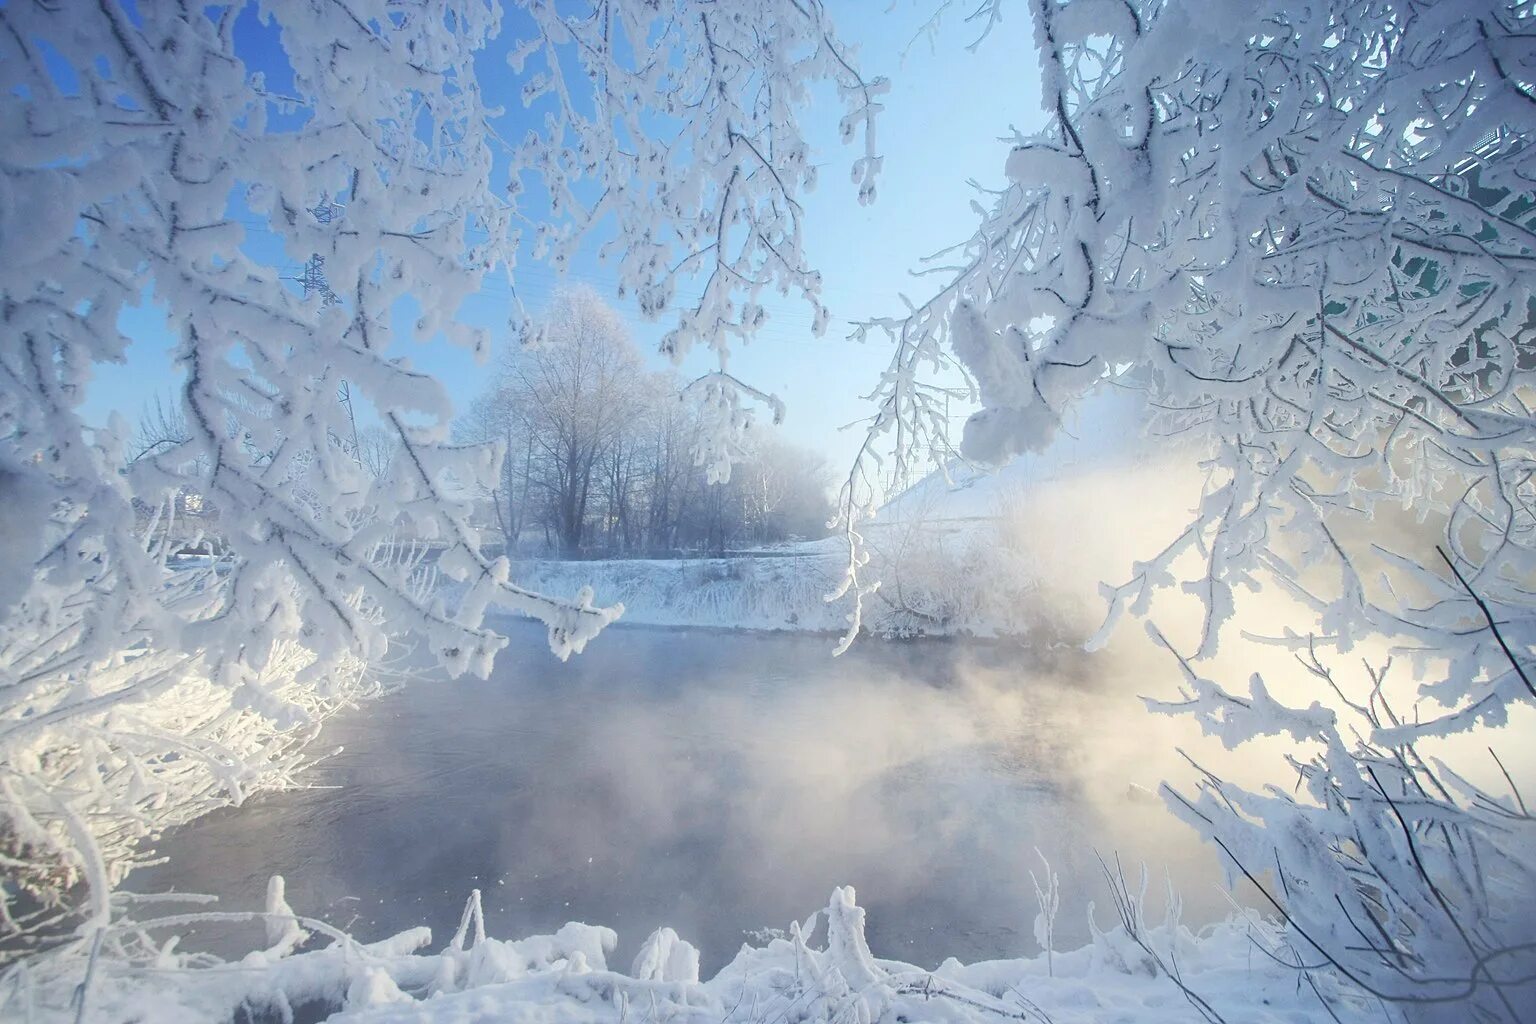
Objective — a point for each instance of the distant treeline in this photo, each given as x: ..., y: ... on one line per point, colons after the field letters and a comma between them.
x: 601, y: 454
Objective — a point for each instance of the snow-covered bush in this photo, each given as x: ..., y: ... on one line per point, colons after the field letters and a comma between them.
x: 1307, y: 231
x: 93, y: 765
x: 941, y: 576
x: 820, y: 969
x: 1386, y: 864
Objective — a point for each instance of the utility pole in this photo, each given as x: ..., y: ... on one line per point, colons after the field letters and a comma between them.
x: 313, y: 278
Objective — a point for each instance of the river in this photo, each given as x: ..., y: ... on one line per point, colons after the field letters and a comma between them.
x: 721, y: 783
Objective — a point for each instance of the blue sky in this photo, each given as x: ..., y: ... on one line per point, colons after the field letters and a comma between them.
x: 943, y: 120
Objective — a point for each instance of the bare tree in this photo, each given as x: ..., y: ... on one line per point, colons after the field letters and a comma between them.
x: 606, y: 455
x: 161, y: 427
x: 674, y: 485
x: 575, y: 384
x: 494, y: 419
x: 376, y: 449
x: 788, y: 491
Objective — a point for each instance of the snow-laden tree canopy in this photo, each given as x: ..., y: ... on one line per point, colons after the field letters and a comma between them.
x: 681, y: 157
x: 139, y: 145
x: 1308, y: 232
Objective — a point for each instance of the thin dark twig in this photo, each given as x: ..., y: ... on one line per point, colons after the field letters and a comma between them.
x: 1493, y: 626
x: 1519, y: 800
x: 1128, y: 909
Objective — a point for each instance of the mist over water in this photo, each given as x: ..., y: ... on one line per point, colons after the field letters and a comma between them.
x: 720, y: 783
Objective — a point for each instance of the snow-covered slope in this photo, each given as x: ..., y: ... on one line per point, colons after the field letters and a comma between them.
x: 1104, y: 433
x: 818, y: 972
x: 938, y: 586
x: 764, y: 591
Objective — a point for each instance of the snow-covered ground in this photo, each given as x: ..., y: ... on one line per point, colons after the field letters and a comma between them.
x: 942, y: 582
x: 961, y: 552
x: 780, y: 590
x: 820, y: 970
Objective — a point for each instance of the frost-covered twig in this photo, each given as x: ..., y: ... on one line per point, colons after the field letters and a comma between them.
x: 688, y: 159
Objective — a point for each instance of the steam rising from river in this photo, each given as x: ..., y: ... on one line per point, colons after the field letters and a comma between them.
x: 721, y: 783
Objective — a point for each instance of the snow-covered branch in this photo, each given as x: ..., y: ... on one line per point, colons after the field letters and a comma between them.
x: 242, y: 549
x: 687, y: 161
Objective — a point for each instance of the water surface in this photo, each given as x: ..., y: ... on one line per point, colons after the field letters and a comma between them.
x: 720, y: 783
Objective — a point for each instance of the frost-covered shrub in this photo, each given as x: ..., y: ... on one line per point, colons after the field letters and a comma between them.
x: 820, y: 969
x: 96, y: 763
x: 1385, y: 863
x: 938, y: 577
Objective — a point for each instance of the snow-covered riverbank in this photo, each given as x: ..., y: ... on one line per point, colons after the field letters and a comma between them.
x: 944, y: 583
x: 818, y: 971
x: 745, y: 591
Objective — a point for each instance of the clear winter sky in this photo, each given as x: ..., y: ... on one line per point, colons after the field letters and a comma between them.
x: 942, y: 126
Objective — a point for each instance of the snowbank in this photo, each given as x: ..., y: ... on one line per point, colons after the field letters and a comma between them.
x: 769, y: 591
x: 967, y: 551
x: 941, y: 582
x: 819, y: 970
